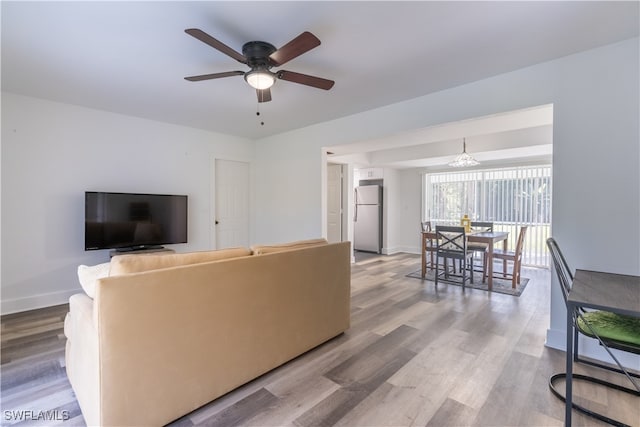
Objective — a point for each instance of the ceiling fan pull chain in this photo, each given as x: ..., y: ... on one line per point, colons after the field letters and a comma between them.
x: 258, y: 113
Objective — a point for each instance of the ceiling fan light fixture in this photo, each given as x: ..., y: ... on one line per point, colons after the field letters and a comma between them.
x: 261, y: 57
x: 260, y: 79
x: 464, y: 160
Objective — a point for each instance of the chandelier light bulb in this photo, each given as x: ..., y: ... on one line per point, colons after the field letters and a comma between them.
x: 464, y: 160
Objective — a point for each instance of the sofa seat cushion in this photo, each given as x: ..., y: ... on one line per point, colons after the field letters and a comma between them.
x: 88, y: 275
x: 267, y: 249
x: 125, y: 264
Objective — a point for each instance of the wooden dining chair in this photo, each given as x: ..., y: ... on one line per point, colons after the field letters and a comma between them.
x: 613, y: 331
x: 478, y: 247
x: 451, y: 243
x: 513, y: 256
x: 430, y: 248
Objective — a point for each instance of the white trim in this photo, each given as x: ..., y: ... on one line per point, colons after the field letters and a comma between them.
x: 37, y: 301
x: 401, y: 249
x: 212, y: 202
x: 556, y: 339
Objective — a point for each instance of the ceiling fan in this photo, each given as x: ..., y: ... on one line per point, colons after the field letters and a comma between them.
x: 261, y: 57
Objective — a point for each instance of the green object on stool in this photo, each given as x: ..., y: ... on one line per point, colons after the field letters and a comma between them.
x: 610, y: 326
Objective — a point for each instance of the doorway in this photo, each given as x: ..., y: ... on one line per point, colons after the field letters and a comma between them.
x: 334, y: 202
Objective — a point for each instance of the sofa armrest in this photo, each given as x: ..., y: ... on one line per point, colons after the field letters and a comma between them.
x: 80, y: 312
x: 82, y: 357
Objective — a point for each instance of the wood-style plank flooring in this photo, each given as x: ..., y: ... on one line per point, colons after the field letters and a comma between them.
x: 414, y: 356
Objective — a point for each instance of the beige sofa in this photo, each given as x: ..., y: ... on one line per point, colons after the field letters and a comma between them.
x: 153, y: 344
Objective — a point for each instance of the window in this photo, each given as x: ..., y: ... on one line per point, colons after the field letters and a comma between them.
x: 509, y: 197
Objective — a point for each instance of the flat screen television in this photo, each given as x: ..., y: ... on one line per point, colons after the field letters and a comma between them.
x: 127, y: 221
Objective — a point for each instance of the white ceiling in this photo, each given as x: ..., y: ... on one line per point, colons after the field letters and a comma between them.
x: 131, y: 57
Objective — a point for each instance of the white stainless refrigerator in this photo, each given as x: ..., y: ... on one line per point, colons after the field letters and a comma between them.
x: 367, y: 233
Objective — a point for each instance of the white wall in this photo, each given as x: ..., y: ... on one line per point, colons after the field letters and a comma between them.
x: 290, y: 183
x: 402, y: 207
x: 52, y: 153
x: 390, y: 189
x: 410, y: 210
x: 595, y: 159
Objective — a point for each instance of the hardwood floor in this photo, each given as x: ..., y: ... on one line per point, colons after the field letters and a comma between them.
x: 414, y: 355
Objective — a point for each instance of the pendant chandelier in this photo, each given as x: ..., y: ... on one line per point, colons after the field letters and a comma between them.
x: 464, y: 160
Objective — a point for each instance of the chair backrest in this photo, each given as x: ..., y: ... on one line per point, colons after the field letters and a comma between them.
x: 451, y: 240
x: 565, y: 277
x: 482, y: 225
x: 425, y: 225
x: 520, y: 242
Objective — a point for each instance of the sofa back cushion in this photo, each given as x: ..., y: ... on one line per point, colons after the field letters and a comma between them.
x: 267, y: 249
x: 124, y: 264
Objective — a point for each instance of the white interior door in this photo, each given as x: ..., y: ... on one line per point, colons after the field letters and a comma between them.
x: 334, y: 203
x: 231, y: 221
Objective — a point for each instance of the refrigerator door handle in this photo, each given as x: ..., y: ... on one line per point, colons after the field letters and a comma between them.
x: 355, y: 210
x: 355, y: 214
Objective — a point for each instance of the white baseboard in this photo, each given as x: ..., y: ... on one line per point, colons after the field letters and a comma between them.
x: 556, y: 339
x: 37, y: 301
x: 401, y: 249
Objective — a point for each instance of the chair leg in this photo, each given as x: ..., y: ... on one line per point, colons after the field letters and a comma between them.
x: 463, y: 268
x: 471, y: 269
x: 486, y: 264
x: 484, y: 267
x: 504, y: 267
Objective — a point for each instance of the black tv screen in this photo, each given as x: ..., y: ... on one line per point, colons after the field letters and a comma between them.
x: 127, y: 221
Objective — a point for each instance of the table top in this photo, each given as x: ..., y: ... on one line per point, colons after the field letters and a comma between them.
x: 613, y: 292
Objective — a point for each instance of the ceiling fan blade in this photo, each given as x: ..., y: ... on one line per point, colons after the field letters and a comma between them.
x: 216, y: 44
x: 214, y: 76
x: 305, y: 79
x: 296, y: 47
x: 264, y: 95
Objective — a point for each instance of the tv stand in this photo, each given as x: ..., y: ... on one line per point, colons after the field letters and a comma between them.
x: 139, y: 250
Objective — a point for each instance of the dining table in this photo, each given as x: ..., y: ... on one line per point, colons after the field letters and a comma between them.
x: 613, y: 292
x: 490, y: 238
